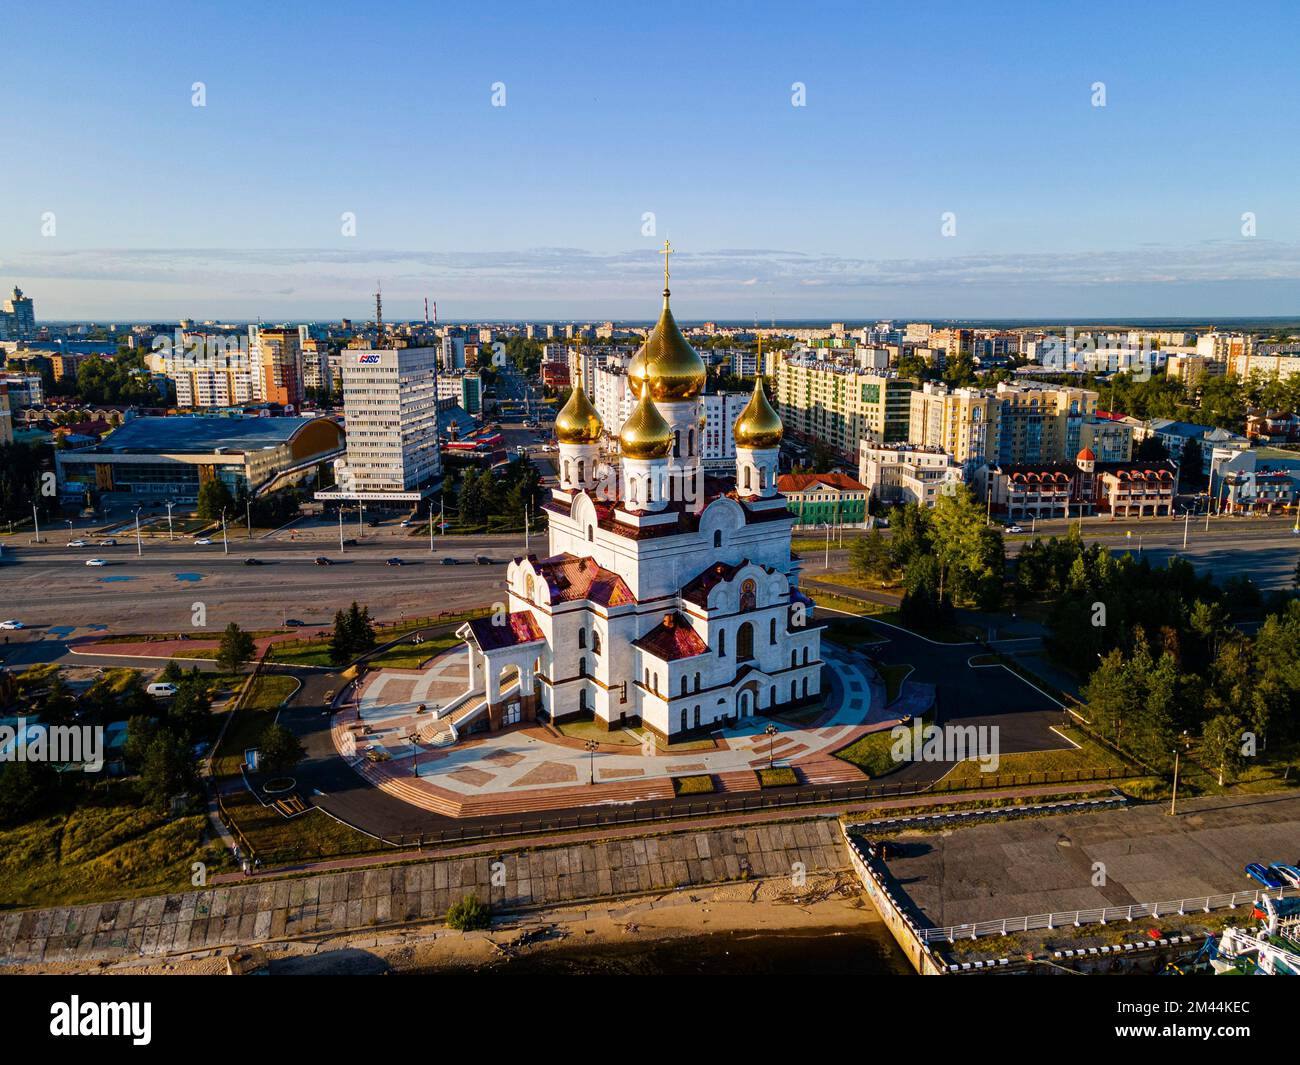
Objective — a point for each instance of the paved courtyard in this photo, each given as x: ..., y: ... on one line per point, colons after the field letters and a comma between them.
x: 1049, y: 864
x: 536, y: 767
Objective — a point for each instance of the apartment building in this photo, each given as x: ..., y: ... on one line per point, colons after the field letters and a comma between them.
x: 834, y: 401
x: 276, y: 360
x: 1041, y: 422
x: 963, y: 422
x: 907, y: 473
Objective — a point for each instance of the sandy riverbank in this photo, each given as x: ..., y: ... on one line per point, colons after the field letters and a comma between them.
x: 824, y: 925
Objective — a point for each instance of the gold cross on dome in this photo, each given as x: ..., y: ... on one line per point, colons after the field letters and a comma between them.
x: 668, y: 250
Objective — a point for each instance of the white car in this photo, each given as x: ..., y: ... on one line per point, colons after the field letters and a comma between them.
x: 162, y: 690
x: 203, y: 541
x: 12, y: 623
x: 78, y: 543
x: 96, y: 562
x: 1014, y: 529
x: 108, y: 543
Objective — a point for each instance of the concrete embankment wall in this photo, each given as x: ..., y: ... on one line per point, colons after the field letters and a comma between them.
x: 896, y: 920
x: 262, y: 911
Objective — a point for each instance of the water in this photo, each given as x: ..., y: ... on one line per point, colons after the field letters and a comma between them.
x: 858, y: 951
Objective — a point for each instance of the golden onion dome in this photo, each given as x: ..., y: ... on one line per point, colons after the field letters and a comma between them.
x: 578, y: 422
x: 758, y: 426
x: 667, y: 360
x: 645, y: 434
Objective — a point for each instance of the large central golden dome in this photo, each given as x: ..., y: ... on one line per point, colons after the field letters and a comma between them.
x: 758, y: 426
x: 667, y: 361
x: 578, y: 422
x: 645, y: 434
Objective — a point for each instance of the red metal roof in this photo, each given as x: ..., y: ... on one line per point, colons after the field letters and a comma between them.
x: 672, y: 638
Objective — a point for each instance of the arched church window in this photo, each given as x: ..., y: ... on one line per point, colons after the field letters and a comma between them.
x: 567, y: 471
x: 748, y: 597
x: 805, y: 656
x: 582, y: 701
x: 690, y: 442
x: 582, y: 666
x: 697, y: 682
x: 582, y: 637
x: 745, y: 642
x: 717, y: 537
x: 677, y: 443
x: 528, y: 587
x: 771, y: 631
x: 595, y: 641
x: 590, y: 534
x: 683, y: 685
x: 794, y: 660
x: 582, y: 467
x: 722, y: 643
x: 747, y: 473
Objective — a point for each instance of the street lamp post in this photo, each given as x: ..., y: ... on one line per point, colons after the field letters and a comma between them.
x: 225, y: 544
x: 771, y: 732
x: 430, y: 526
x: 69, y: 531
x: 340, y: 527
x: 36, y: 524
x: 139, y: 548
x: 248, y: 516
x: 170, y: 535
x: 591, y: 746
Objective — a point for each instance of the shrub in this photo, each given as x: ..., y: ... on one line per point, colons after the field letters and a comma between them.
x: 701, y: 784
x: 469, y: 915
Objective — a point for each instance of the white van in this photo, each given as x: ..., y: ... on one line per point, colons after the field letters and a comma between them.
x: 162, y: 690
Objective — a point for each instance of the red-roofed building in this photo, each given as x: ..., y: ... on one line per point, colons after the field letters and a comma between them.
x: 1060, y: 489
x: 833, y: 498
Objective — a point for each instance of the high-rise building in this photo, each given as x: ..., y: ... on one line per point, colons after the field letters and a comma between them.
x: 6, y: 416
x: 390, y: 411
x: 962, y: 422
x: 277, y: 362
x: 18, y: 317
x: 834, y: 401
x: 1041, y: 422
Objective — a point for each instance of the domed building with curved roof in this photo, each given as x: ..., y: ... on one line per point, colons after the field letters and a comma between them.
x: 669, y: 595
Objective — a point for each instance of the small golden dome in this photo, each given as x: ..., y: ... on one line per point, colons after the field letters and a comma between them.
x: 578, y: 422
x: 758, y: 426
x: 667, y: 360
x: 645, y: 434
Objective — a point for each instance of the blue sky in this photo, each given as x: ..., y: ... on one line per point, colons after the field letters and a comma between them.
x: 233, y: 210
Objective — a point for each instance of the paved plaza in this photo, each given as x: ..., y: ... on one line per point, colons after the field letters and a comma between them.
x: 536, y: 767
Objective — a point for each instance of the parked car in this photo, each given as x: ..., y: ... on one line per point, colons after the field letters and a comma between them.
x: 294, y: 623
x: 393, y: 562
x: 1289, y: 873
x: 203, y: 541
x: 405, y: 523
x: 447, y: 560
x: 483, y: 560
x: 162, y: 690
x: 1014, y: 529
x: 1267, y: 877
x: 96, y: 562
x: 321, y: 560
x: 78, y: 543
x: 110, y: 542
x: 12, y: 623
x: 252, y: 562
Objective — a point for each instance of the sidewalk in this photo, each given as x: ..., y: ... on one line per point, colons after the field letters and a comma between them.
x: 547, y: 839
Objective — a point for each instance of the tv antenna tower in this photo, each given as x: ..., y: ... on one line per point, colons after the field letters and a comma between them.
x: 379, y: 315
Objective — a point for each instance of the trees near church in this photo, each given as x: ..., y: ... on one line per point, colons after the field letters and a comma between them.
x: 354, y: 634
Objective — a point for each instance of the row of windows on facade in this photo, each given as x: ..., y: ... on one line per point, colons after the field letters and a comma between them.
x: 743, y: 652
x: 801, y: 686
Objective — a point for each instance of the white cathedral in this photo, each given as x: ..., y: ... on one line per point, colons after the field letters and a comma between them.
x: 669, y: 597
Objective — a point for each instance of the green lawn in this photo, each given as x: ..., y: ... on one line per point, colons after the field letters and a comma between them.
x: 103, y: 848
x: 413, y: 656
x: 590, y: 729
x: 1089, y: 755
x: 871, y: 754
x: 250, y: 721
x: 309, y: 837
